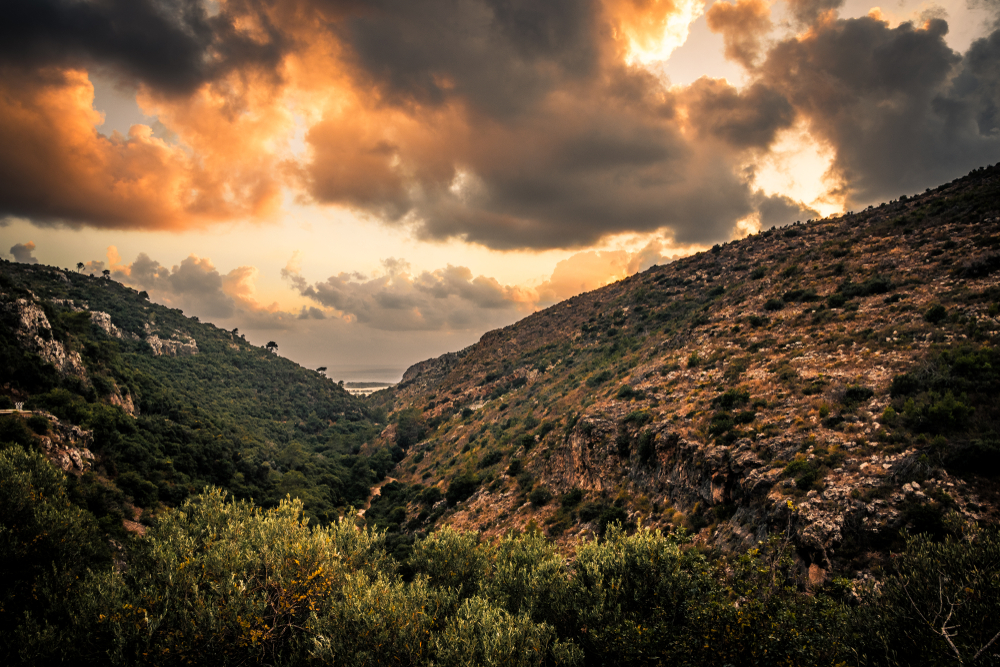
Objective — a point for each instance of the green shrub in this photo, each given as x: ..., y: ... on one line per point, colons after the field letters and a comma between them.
x: 144, y: 493
x: 410, y: 428
x: 774, y: 303
x: 800, y: 295
x: 791, y: 271
x: 598, y: 379
x: 571, y: 498
x: 46, y: 544
x: 481, y: 634
x: 870, y: 287
x: 490, y: 458
x: 836, y: 300
x: 461, y: 488
x: 722, y: 422
x: 804, y: 472
x: 934, y: 588
x: 638, y: 418
x: 431, y: 495
x: 540, y: 496
x: 14, y: 431
x: 623, y: 442
x: 627, y: 393
x: 590, y: 510
x: 936, y: 314
x: 937, y: 414
x: 525, y: 440
x: 613, y: 516
x: 38, y: 423
x: 855, y: 394
x: 732, y: 398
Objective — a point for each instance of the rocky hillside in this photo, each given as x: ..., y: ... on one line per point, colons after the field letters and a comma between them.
x: 838, y: 377
x: 145, y: 406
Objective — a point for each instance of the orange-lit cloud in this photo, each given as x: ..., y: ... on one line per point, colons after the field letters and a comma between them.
x: 586, y: 271
x: 55, y: 166
x: 512, y: 125
x: 650, y: 30
x: 744, y: 25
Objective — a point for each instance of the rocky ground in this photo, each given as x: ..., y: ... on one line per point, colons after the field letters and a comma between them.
x: 738, y: 392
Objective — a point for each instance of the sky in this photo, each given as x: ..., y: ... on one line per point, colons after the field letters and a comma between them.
x: 370, y: 183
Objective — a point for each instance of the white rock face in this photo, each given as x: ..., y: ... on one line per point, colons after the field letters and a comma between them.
x: 172, y: 348
x: 103, y: 320
x: 35, y: 332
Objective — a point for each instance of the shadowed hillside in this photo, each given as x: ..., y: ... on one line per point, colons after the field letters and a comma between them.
x: 167, y: 405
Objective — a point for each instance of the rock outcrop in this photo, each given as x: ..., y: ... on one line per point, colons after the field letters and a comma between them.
x: 67, y: 446
x: 168, y: 347
x: 33, y: 330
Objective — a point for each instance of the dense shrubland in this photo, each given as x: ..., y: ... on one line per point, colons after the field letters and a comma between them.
x: 222, y: 581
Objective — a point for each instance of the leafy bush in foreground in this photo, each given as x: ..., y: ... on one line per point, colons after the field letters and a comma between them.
x: 218, y: 581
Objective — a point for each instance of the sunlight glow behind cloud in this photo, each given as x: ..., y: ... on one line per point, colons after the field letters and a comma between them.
x: 654, y: 30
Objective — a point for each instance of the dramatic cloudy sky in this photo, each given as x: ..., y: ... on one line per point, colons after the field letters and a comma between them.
x: 373, y: 182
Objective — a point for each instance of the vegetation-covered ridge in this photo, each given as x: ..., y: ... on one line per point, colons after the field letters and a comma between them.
x: 167, y: 404
x: 848, y: 364
x: 217, y: 582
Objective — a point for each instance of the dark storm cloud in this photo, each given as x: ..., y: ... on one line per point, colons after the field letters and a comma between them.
x: 605, y: 157
x: 497, y: 55
x: 172, y: 45
x: 886, y: 101
x: 743, y: 26
x: 779, y: 210
x: 507, y: 123
x: 22, y: 253
x: 977, y: 87
x: 748, y: 119
x: 807, y: 11
x: 532, y: 132
x: 311, y: 313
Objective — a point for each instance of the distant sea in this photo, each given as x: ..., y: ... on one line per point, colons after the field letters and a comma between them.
x: 364, y: 373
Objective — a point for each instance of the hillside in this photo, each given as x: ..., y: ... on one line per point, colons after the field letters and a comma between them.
x: 838, y: 376
x: 147, y: 406
x: 802, y: 403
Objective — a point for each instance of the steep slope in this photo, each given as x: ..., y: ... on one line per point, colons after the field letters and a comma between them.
x: 838, y: 377
x: 167, y: 404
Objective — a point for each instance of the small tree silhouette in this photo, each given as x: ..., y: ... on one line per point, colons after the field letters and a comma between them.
x: 272, y: 346
x: 107, y: 273
x: 144, y: 295
x: 321, y: 369
x: 79, y: 266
